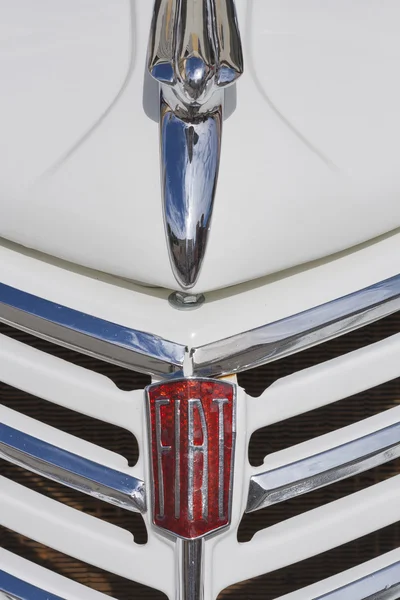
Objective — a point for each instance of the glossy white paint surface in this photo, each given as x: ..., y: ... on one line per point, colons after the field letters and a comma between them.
x: 310, y: 154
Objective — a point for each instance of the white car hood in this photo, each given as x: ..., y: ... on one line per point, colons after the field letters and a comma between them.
x: 310, y: 155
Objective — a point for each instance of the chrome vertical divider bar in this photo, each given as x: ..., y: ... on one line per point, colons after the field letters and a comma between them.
x: 189, y: 560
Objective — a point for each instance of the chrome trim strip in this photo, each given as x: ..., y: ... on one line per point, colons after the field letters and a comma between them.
x: 392, y: 593
x: 322, y: 469
x: 380, y: 585
x: 190, y: 151
x: 12, y: 587
x: 72, y: 470
x: 189, y: 560
x: 90, y: 335
x: 151, y: 354
x: 298, y: 332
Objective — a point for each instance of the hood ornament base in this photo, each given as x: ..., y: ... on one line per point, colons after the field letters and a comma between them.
x: 183, y: 301
x: 194, y: 52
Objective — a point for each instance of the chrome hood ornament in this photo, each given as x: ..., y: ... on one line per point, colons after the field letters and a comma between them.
x: 194, y: 53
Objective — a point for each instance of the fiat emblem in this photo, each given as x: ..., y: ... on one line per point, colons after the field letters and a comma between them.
x: 192, y: 438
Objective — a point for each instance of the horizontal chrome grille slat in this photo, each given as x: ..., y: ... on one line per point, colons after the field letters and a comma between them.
x: 325, y: 468
x: 12, y: 587
x: 298, y: 332
x: 152, y: 354
x: 378, y: 579
x: 37, y: 580
x: 90, y: 335
x: 72, y: 470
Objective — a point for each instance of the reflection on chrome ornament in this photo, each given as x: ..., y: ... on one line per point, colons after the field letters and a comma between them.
x: 194, y: 52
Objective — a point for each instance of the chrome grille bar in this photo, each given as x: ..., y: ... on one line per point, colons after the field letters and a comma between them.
x: 90, y: 335
x: 72, y: 470
x: 322, y: 469
x: 148, y: 353
x: 306, y: 329
x: 13, y: 587
x: 384, y: 585
x: 380, y: 583
x: 151, y: 354
x: 23, y: 579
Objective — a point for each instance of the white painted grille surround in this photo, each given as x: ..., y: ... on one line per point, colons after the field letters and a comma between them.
x: 226, y: 560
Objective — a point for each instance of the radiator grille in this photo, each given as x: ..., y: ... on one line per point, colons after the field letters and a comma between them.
x: 264, y: 441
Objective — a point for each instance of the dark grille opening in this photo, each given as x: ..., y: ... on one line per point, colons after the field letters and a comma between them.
x: 307, y: 572
x: 130, y: 521
x: 97, y: 579
x: 255, y: 381
x: 323, y: 420
x: 266, y: 517
x: 125, y: 379
x: 87, y: 428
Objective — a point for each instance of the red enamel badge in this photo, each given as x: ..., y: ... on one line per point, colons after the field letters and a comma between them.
x: 192, y: 437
